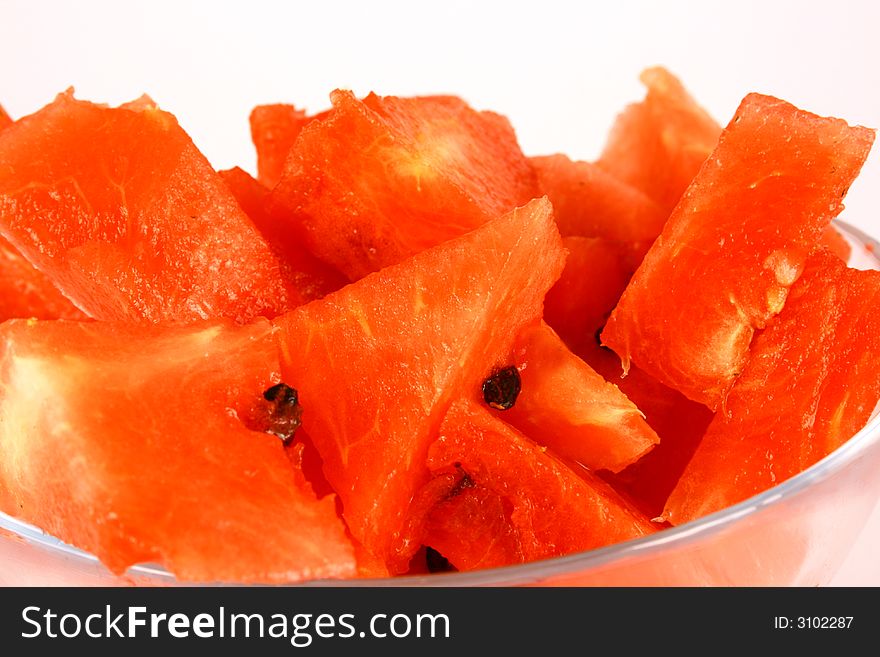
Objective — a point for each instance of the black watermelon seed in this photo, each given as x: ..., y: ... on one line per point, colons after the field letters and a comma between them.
x: 502, y: 388
x: 284, y: 413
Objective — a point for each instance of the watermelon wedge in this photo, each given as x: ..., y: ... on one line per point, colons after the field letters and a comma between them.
x: 811, y: 383
x: 132, y: 441
x: 378, y: 362
x: 657, y: 146
x: 735, y: 244
x: 122, y: 212
x: 381, y: 179
x: 548, y: 510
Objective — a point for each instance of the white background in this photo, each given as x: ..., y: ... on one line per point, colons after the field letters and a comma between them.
x: 559, y: 70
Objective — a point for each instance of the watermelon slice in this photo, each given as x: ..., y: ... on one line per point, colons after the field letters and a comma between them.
x: 734, y: 246
x: 121, y: 211
x: 579, y: 304
x: 131, y: 441
x: 378, y: 362
x: 567, y: 406
x: 381, y: 179
x: 548, y: 510
x: 811, y: 383
x: 658, y: 146
x: 311, y: 277
x: 274, y: 129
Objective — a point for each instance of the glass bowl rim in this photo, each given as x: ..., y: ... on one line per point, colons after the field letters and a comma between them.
x: 536, y: 571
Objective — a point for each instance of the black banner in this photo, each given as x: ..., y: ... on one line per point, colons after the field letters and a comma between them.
x: 333, y: 621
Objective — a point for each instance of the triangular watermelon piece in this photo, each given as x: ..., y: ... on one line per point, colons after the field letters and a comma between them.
x: 378, y: 363
x: 383, y: 178
x: 657, y: 146
x: 734, y: 245
x: 811, y: 383
x: 537, y: 505
x: 132, y: 441
x: 129, y: 220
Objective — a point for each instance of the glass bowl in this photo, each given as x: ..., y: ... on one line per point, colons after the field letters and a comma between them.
x: 797, y: 533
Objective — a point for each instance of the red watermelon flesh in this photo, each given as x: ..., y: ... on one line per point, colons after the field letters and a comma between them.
x: 811, y: 383
x: 836, y: 244
x: 579, y: 304
x: 122, y: 212
x: 274, y: 129
x: 734, y: 246
x: 472, y: 529
x: 130, y: 441
x: 381, y: 179
x: 567, y: 406
x: 679, y: 423
x: 552, y: 511
x: 369, y: 566
x: 306, y: 460
x: 310, y: 277
x: 378, y: 362
x: 590, y: 202
x: 658, y: 145
x: 24, y: 291
x: 655, y: 149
